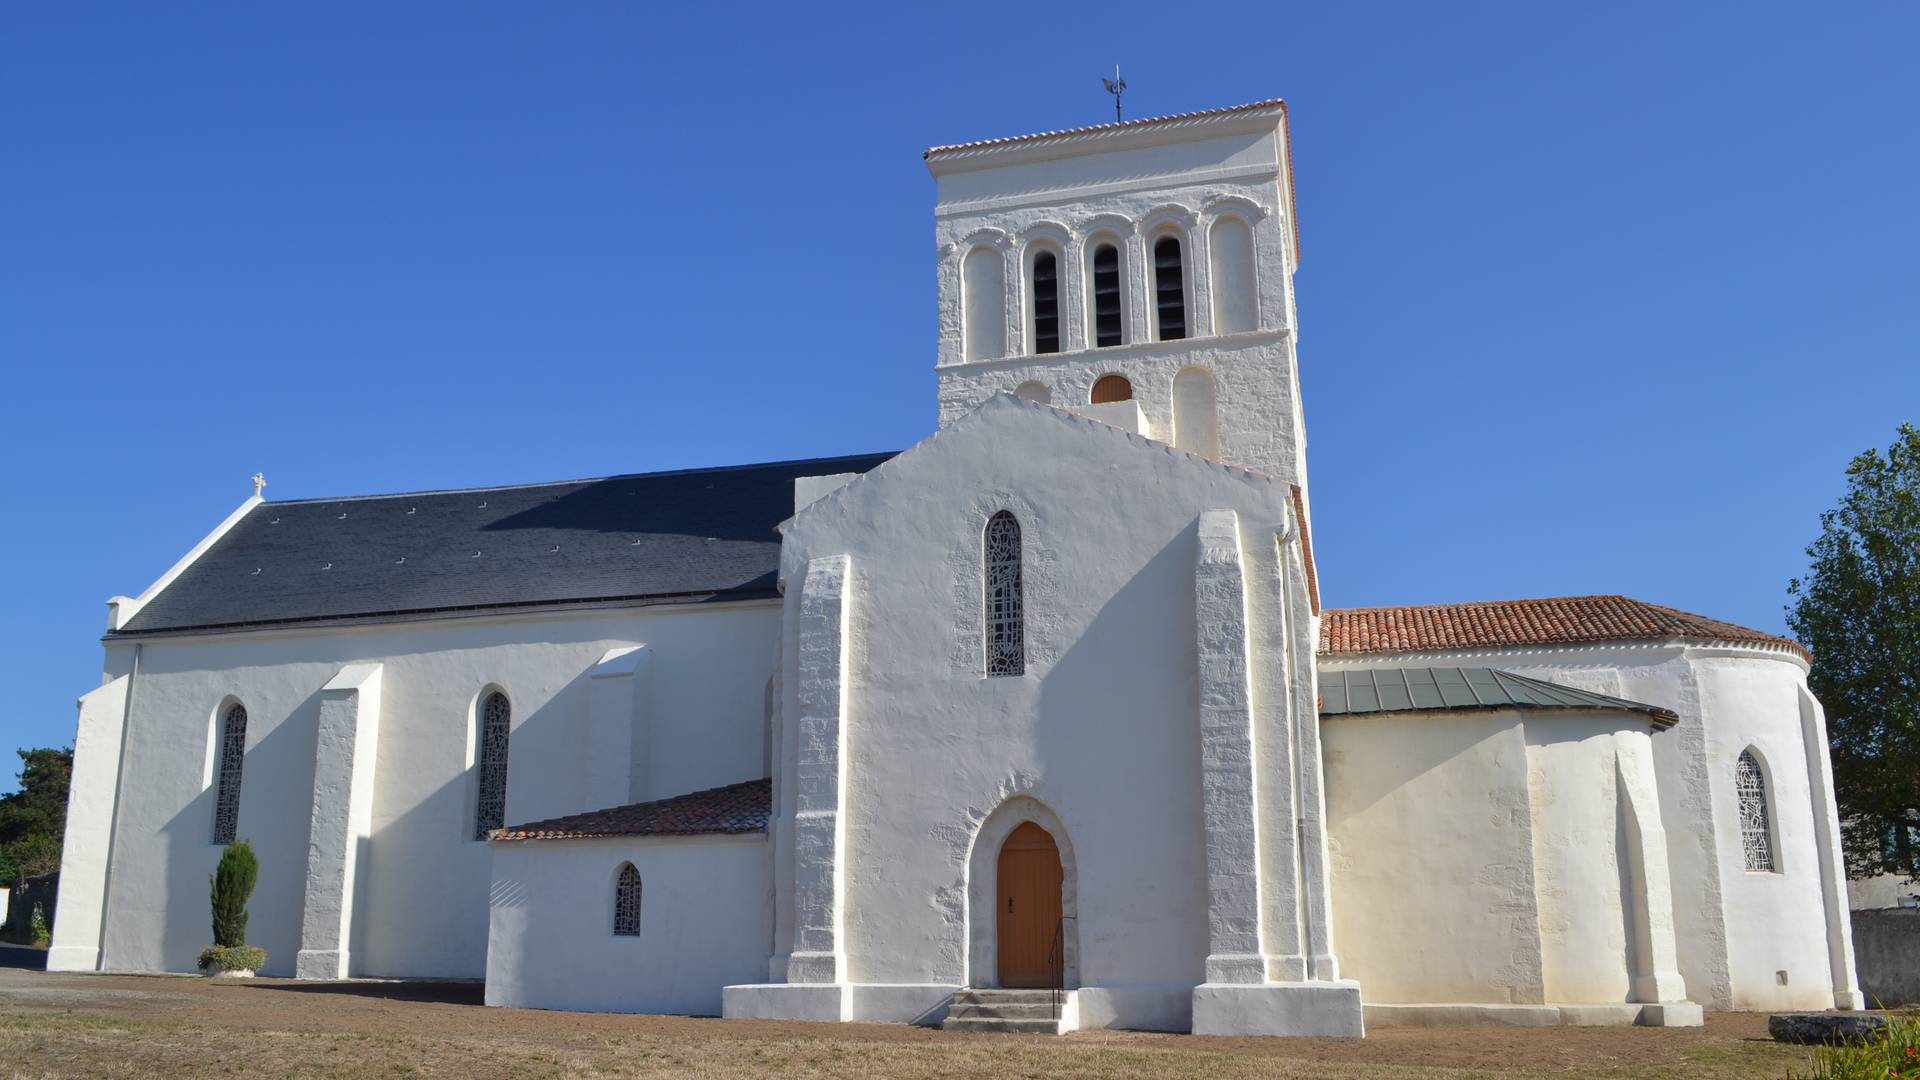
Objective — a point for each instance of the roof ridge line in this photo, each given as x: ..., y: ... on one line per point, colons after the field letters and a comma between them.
x: 577, y: 480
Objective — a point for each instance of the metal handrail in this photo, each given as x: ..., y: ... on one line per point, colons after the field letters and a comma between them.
x: 1057, y: 964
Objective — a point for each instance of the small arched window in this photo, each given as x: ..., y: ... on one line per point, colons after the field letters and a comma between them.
x: 1034, y: 390
x: 1111, y: 388
x: 1005, y: 603
x: 1046, y: 302
x: 1107, y: 328
x: 626, y: 902
x: 233, y: 752
x: 1169, y: 290
x: 1756, y: 826
x: 496, y: 723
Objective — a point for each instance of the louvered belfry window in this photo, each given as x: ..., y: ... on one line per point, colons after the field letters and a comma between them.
x: 626, y: 903
x: 1106, y: 296
x: 1756, y: 833
x: 496, y: 720
x: 233, y: 752
x: 1006, y: 618
x: 1046, y: 303
x: 1169, y: 289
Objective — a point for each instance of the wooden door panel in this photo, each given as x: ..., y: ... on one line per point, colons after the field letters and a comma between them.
x: 1028, y: 915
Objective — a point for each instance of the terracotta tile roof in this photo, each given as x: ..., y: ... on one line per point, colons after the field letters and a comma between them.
x: 736, y: 808
x: 1559, y: 620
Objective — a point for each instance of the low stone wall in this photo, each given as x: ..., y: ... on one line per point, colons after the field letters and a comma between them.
x: 1886, y: 949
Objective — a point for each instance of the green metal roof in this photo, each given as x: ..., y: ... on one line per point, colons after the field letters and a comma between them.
x: 1431, y: 689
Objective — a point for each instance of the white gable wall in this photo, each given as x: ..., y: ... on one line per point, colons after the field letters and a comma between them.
x: 1102, y: 729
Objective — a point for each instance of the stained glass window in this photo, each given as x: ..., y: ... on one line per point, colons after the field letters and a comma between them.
x: 626, y: 902
x: 490, y: 811
x: 1756, y: 835
x: 1006, y: 622
x: 233, y: 750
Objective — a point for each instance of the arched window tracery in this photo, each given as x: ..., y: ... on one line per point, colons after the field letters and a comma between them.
x: 1756, y: 824
x: 233, y: 751
x: 626, y: 902
x: 496, y: 723
x: 1005, y: 599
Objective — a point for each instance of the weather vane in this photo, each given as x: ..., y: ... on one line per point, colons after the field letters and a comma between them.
x: 1116, y: 86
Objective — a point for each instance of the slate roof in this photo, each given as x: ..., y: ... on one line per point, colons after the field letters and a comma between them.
x: 1559, y: 620
x: 736, y: 808
x: 1434, y: 689
x: 668, y: 537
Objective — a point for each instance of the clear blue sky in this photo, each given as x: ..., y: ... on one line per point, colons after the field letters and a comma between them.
x: 1596, y: 298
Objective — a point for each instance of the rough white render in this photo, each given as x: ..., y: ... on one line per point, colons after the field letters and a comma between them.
x: 706, y: 910
x: 422, y: 907
x: 1735, y: 931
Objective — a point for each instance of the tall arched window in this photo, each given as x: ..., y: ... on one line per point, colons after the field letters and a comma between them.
x: 233, y: 752
x: 1756, y: 832
x: 496, y: 722
x: 1046, y: 302
x: 626, y: 902
x: 1169, y: 290
x: 1110, y: 388
x: 1107, y: 322
x: 1006, y: 616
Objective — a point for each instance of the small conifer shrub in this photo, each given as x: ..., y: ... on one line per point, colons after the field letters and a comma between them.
x: 232, y: 885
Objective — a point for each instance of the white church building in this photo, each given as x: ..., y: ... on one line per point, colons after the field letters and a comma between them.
x: 1038, y: 723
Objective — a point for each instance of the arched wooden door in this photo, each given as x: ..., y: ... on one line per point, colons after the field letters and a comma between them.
x: 1029, y: 911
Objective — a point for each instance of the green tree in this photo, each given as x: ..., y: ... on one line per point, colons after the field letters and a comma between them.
x: 33, y: 820
x: 1858, y: 611
x: 232, y: 883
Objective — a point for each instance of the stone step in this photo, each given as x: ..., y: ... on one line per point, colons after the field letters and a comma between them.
x: 1025, y: 1010
x: 983, y: 1024
x: 990, y: 996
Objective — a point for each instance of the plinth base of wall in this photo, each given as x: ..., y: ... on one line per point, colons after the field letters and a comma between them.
x: 1302, y: 1008
x: 1467, y: 1014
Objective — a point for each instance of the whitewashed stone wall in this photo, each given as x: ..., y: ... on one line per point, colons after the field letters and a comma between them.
x: 1101, y: 736
x: 1735, y: 931
x: 705, y: 916
x: 1130, y: 188
x: 419, y: 886
x: 1495, y: 858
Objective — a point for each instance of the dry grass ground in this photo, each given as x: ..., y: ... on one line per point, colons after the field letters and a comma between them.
x: 122, y: 1026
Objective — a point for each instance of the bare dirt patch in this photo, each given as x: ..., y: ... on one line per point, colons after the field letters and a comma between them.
x: 140, y: 1026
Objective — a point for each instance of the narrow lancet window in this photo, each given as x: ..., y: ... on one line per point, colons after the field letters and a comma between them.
x: 496, y: 721
x: 233, y: 752
x: 626, y: 902
x: 1106, y: 296
x: 1046, y: 303
x: 1006, y: 617
x: 1756, y: 832
x: 1169, y: 289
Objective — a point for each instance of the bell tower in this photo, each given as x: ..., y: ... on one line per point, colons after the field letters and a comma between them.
x: 1140, y: 272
